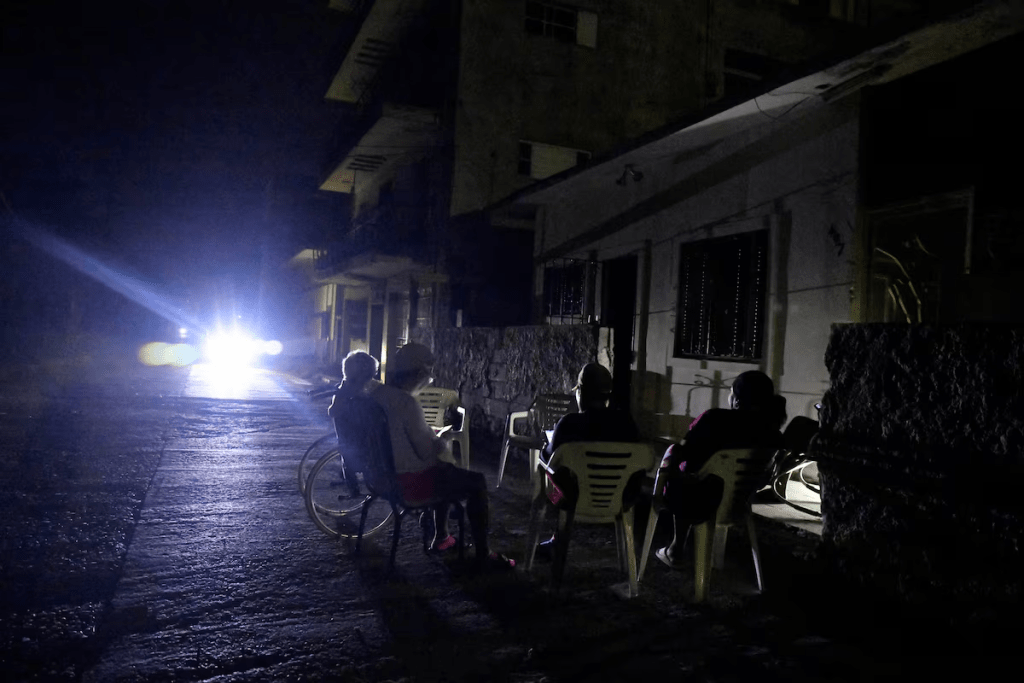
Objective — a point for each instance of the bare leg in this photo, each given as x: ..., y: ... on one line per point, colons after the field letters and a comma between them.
x: 680, y: 539
x: 440, y: 523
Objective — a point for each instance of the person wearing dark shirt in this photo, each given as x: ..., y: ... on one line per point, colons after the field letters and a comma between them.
x: 359, y: 370
x: 754, y: 419
x: 595, y: 422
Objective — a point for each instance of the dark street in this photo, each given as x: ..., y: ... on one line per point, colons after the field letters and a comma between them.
x: 153, y: 531
x: 779, y: 236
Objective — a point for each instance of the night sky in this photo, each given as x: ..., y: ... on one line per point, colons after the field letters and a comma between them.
x: 179, y: 141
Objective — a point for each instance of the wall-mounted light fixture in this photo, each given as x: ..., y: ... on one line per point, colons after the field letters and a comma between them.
x: 629, y: 172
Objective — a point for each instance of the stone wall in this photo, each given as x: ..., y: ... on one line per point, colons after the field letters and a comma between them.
x: 497, y: 370
x: 922, y: 462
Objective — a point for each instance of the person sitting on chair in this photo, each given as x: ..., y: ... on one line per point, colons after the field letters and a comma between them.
x: 423, y: 461
x: 755, y: 417
x: 359, y: 369
x: 595, y: 422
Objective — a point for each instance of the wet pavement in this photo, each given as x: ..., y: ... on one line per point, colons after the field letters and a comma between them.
x: 153, y: 531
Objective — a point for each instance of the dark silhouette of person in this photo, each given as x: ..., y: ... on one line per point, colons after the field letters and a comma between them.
x: 753, y: 420
x: 359, y: 370
x: 595, y: 422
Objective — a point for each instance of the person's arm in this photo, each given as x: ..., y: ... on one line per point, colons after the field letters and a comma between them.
x: 558, y: 436
x: 691, y: 447
x: 428, y: 447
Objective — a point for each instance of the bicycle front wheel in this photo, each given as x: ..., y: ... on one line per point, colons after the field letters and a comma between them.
x: 316, y: 450
x: 333, y: 508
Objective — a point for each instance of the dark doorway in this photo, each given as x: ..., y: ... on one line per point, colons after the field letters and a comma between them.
x: 618, y: 306
x: 376, y: 330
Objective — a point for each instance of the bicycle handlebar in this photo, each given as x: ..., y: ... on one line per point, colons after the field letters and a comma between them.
x: 321, y: 393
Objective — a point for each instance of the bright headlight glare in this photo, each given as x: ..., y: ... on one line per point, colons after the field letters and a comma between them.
x: 231, y: 349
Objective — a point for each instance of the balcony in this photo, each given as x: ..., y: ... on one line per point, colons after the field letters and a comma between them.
x: 386, y: 242
x: 395, y: 135
x: 383, y: 29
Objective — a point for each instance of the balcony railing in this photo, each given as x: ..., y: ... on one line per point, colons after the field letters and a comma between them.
x: 385, y: 231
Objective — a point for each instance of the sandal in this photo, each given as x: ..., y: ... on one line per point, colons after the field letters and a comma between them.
x: 447, y: 543
x: 662, y: 554
x: 496, y: 562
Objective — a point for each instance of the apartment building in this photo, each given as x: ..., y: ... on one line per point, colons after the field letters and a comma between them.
x: 457, y: 104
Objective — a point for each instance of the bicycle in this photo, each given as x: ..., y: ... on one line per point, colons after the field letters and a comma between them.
x: 326, y: 491
x: 331, y: 506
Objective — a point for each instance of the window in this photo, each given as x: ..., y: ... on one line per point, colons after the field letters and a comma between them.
x: 561, y: 22
x: 541, y: 161
x: 722, y: 286
x: 565, y: 292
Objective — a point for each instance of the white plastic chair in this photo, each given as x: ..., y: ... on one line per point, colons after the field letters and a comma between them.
x: 602, y: 469
x: 545, y: 411
x: 743, y: 472
x: 435, y: 401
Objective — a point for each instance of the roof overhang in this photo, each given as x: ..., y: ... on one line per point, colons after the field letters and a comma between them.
x: 377, y: 40
x: 371, y: 268
x: 400, y: 136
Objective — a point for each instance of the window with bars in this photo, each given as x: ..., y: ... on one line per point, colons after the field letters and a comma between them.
x: 722, y: 288
x: 565, y: 292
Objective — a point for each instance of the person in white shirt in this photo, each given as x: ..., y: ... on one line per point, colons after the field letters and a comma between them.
x: 423, y: 461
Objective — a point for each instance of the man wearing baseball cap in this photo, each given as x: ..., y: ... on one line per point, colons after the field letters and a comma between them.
x: 595, y: 422
x: 423, y: 461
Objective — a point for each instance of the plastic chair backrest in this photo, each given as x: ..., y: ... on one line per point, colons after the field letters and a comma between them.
x: 744, y: 471
x: 363, y: 426
x: 435, y: 402
x: 602, y: 469
x: 548, y: 409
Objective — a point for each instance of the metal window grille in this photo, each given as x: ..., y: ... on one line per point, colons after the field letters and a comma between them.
x: 722, y: 287
x: 565, y: 292
x: 550, y: 19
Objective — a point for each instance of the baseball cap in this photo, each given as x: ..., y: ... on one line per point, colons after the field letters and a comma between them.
x: 753, y: 388
x: 594, y: 377
x: 412, y: 357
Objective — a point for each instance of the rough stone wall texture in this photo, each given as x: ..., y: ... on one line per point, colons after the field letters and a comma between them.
x: 497, y: 370
x: 921, y: 456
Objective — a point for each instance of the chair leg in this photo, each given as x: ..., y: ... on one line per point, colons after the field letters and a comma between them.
x: 363, y: 512
x: 703, y: 538
x: 630, y: 552
x: 565, y: 523
x: 462, y: 531
x: 462, y: 438
x: 425, y: 528
x: 534, y: 464
x: 718, y: 553
x: 620, y: 545
x: 538, y: 508
x: 755, y: 551
x: 501, y: 465
x: 652, y: 522
x: 397, y: 534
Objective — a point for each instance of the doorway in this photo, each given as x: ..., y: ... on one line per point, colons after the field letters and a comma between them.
x: 618, y: 307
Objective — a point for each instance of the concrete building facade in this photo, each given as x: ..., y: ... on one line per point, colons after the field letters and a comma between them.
x: 871, y: 190
x: 455, y: 105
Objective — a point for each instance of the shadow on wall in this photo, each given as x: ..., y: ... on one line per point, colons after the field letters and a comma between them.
x: 653, y: 401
